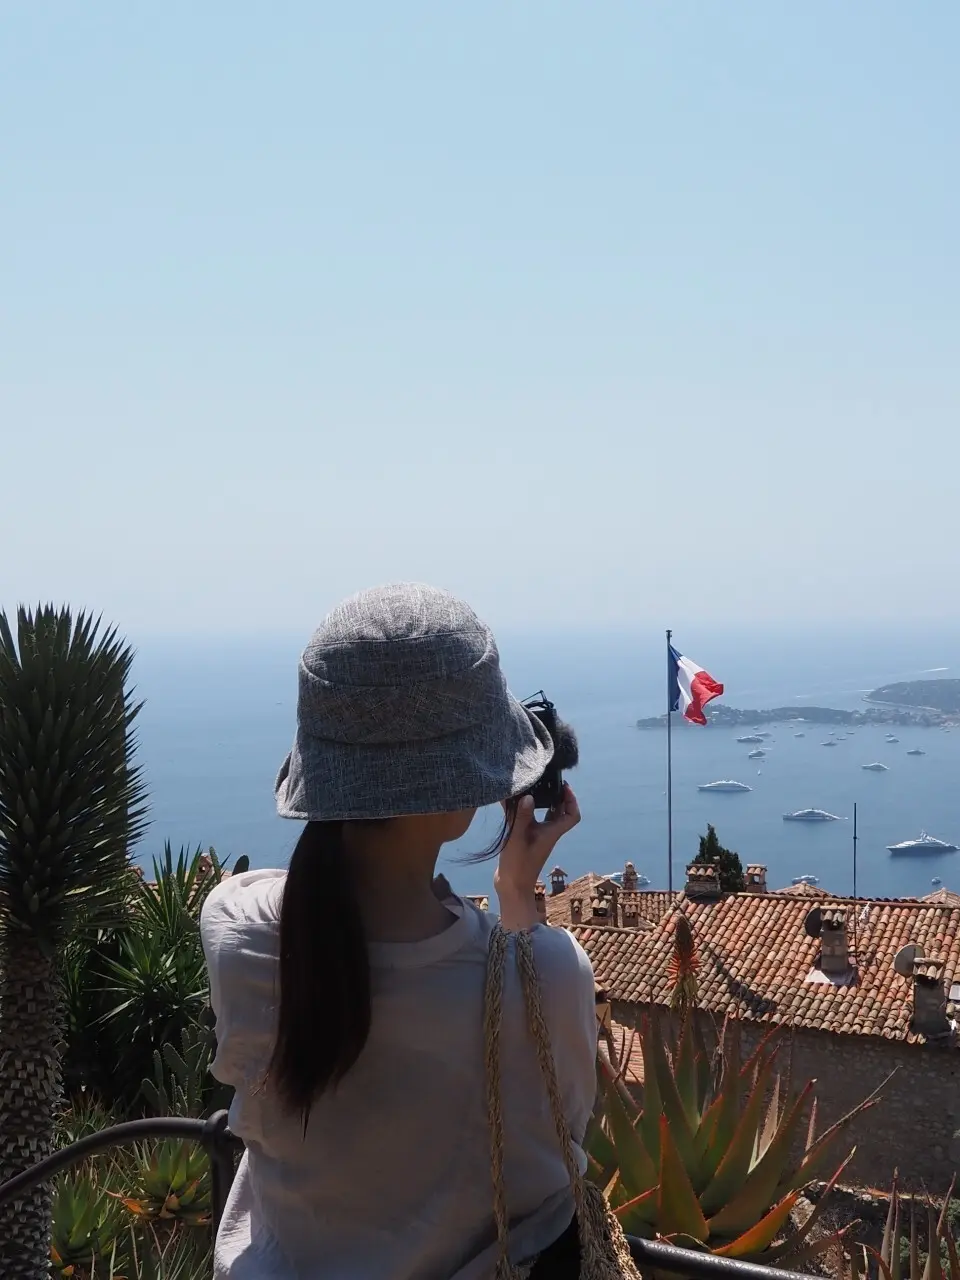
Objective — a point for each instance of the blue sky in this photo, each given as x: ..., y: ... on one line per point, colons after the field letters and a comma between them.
x: 621, y: 314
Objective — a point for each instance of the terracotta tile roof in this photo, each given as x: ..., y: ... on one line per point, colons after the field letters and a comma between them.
x: 803, y: 890
x: 654, y: 903
x: 757, y: 962
x: 946, y: 897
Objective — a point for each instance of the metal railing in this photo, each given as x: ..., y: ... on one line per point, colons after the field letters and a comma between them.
x: 222, y: 1148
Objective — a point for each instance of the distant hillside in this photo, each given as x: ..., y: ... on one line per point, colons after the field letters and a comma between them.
x: 938, y: 695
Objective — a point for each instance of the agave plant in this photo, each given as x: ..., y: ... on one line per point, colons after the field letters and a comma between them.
x: 705, y: 1160
x: 71, y: 807
x: 88, y: 1226
x: 172, y: 1184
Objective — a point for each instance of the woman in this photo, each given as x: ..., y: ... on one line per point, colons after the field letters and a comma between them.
x: 348, y: 990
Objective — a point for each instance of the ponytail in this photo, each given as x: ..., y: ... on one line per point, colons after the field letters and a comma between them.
x: 324, y: 1017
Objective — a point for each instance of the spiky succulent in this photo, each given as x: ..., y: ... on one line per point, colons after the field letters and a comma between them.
x: 71, y: 807
x: 71, y: 801
x: 173, y: 1184
x: 705, y: 1160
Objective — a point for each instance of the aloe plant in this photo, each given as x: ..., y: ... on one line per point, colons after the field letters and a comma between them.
x: 705, y: 1159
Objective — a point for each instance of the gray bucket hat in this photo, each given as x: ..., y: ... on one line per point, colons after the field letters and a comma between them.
x: 403, y: 709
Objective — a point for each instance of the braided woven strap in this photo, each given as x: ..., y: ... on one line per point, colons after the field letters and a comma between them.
x: 604, y: 1252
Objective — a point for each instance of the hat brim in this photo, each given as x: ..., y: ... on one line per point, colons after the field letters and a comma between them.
x: 326, y: 781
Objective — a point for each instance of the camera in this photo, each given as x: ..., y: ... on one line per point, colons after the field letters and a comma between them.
x: 548, y: 791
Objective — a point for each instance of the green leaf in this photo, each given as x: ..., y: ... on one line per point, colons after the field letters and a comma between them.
x: 932, y: 1270
x: 759, y: 1191
x: 822, y: 1148
x: 638, y: 1215
x: 685, y: 1073
x: 678, y: 1206
x: 759, y: 1237
x: 652, y: 1106
x: 637, y: 1171
x: 670, y: 1104
x: 735, y: 1165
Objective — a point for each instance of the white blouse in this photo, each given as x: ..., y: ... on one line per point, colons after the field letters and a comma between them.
x: 392, y: 1179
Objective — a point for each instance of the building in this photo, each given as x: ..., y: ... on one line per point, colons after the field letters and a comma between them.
x: 822, y: 968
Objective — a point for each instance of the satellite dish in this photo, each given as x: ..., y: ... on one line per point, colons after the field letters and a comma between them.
x: 903, y: 960
x: 813, y: 923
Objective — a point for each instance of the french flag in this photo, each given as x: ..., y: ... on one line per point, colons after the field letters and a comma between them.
x: 690, y: 687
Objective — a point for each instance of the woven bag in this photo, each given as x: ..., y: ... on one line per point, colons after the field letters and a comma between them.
x: 604, y: 1252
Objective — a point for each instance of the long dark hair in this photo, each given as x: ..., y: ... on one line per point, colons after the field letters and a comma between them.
x: 325, y: 994
x: 324, y: 1017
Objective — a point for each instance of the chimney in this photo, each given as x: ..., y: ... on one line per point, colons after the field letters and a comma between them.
x: 929, y: 999
x: 558, y: 881
x: 757, y: 877
x: 609, y: 890
x: 629, y: 909
x: 576, y: 910
x: 628, y: 880
x: 834, y: 954
x: 702, y: 881
x: 540, y: 897
x: 601, y: 908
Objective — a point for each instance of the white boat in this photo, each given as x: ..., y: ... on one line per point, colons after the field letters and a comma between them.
x: 811, y: 815
x: 725, y: 784
x: 926, y: 844
x: 876, y: 767
x: 805, y: 880
x: 830, y: 742
x: 891, y: 738
x: 936, y: 880
x: 764, y: 734
x: 916, y: 751
x: 799, y: 735
x: 756, y: 755
x: 751, y: 737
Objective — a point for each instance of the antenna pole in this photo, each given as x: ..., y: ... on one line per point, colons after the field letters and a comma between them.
x: 669, y: 768
x: 855, y: 920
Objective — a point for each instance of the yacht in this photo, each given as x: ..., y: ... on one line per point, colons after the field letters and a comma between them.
x: 891, y: 738
x: 764, y: 734
x: 725, y: 784
x: 756, y: 755
x: 805, y: 880
x: 916, y: 751
x: 829, y: 742
x: 926, y: 844
x: 811, y: 815
x: 799, y: 735
x: 936, y: 880
x: 751, y: 737
x: 876, y: 767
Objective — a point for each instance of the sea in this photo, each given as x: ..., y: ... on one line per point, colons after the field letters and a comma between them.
x: 219, y: 717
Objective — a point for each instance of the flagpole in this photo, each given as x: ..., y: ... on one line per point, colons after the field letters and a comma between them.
x: 855, y: 920
x: 669, y: 770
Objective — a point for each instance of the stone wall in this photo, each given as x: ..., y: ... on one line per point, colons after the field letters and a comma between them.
x: 915, y: 1127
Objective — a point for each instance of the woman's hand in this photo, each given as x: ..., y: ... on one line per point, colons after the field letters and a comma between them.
x: 525, y: 854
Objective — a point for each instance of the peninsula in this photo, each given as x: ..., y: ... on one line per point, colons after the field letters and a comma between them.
x: 926, y: 703
x: 928, y: 695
